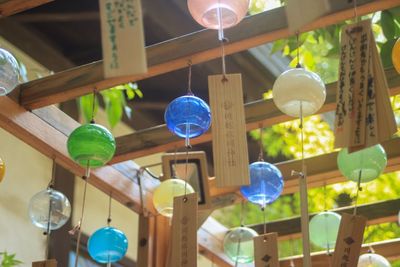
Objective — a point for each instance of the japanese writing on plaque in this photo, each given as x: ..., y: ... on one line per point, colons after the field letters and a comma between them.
x: 346, y: 257
x: 341, y: 109
x: 120, y: 14
x: 230, y: 134
x: 362, y: 83
x: 371, y: 104
x: 184, y: 241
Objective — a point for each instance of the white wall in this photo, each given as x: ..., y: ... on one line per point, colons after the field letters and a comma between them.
x: 27, y: 172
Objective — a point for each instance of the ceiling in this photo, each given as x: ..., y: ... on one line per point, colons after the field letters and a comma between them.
x: 66, y: 33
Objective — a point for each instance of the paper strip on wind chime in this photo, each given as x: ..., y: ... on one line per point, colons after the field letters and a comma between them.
x: 231, y: 160
x: 183, y: 242
x: 266, y: 250
x: 122, y: 38
x: 364, y: 116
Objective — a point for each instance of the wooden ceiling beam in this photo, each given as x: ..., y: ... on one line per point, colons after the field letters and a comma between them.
x: 174, y: 54
x: 10, y: 7
x: 159, y: 139
x: 379, y: 212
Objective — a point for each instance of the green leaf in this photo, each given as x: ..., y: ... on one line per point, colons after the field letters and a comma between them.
x: 113, y: 100
x: 86, y: 105
x: 386, y: 53
x: 278, y: 45
x: 388, y: 25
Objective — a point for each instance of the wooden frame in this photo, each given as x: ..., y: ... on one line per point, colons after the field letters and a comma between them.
x: 201, y: 186
x: 46, y: 129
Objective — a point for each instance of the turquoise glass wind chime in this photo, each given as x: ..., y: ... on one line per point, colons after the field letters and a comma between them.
x: 92, y: 145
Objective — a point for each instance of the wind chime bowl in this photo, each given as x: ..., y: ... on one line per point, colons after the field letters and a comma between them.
x: 188, y: 116
x: 238, y: 244
x: 266, y: 184
x: 372, y: 260
x: 107, y: 244
x: 49, y: 202
x: 396, y: 55
x: 91, y: 145
x: 297, y: 89
x: 216, y: 14
x: 324, y: 228
x: 163, y: 196
x: 9, y: 72
x: 369, y: 163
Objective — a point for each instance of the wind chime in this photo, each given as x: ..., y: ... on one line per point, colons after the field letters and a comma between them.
x: 107, y: 244
x: 266, y: 185
x: 49, y: 210
x: 9, y: 72
x: 90, y: 145
x: 300, y: 93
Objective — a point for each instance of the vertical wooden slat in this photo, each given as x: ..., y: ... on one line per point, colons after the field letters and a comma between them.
x: 144, y: 245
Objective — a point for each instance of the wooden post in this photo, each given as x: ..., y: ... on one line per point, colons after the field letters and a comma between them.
x: 145, y: 236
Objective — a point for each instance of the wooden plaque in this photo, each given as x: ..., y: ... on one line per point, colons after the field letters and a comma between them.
x: 47, y: 263
x: 266, y: 250
x: 197, y: 175
x: 349, y: 241
x: 183, y: 250
x: 122, y: 37
x: 229, y: 138
x: 302, y: 12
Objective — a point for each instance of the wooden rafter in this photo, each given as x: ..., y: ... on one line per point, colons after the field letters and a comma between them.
x: 199, y: 47
x: 159, y: 138
x: 10, y: 7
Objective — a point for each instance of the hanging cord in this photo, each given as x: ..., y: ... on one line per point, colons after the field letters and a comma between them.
x: 93, y: 105
x: 359, y: 188
x: 298, y: 65
x: 240, y: 233
x: 109, y: 210
x: 50, y: 187
x: 80, y: 222
x: 139, y: 181
x: 223, y: 41
x: 260, y: 144
x: 186, y: 172
x: 356, y: 17
x: 265, y: 222
x: 189, y: 90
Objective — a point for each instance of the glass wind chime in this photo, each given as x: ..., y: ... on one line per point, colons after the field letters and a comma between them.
x: 90, y: 145
x: 188, y: 117
x: 238, y: 242
x: 9, y: 72
x: 324, y: 228
x: 49, y: 209
x: 298, y: 93
x: 107, y: 244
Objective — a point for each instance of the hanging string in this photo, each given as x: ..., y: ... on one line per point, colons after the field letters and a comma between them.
x: 93, y: 105
x: 189, y: 90
x: 139, y: 181
x: 264, y: 220
x: 50, y: 187
x: 298, y: 65
x: 186, y: 172
x: 359, y: 188
x: 356, y: 18
x: 224, y: 78
x: 240, y: 233
x: 80, y: 222
x: 109, y: 209
x: 260, y: 144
